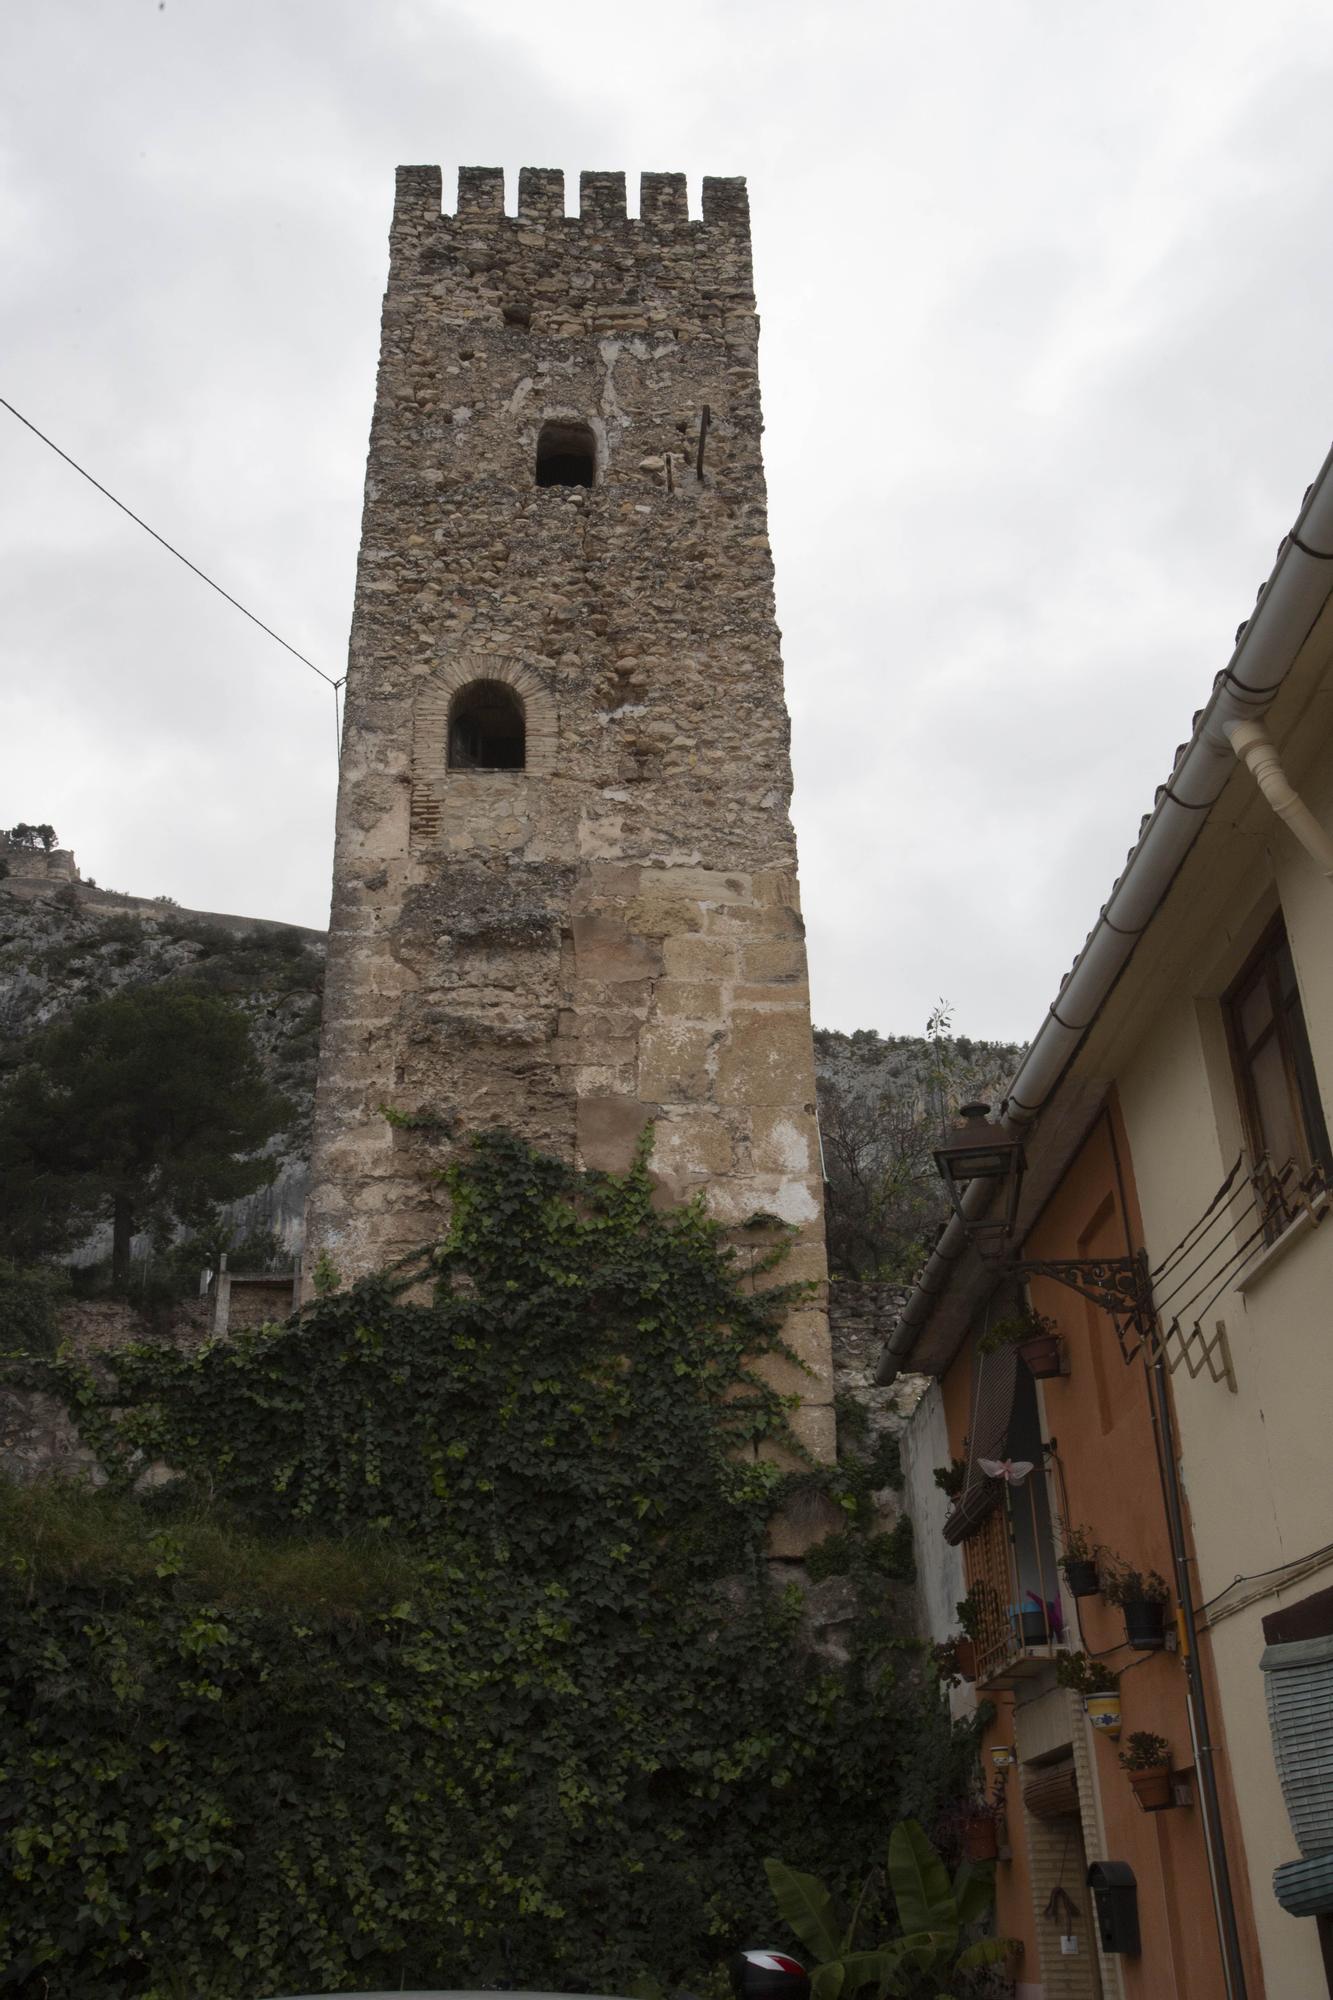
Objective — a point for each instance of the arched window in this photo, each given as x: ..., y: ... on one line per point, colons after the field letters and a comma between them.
x: 566, y: 455
x: 486, y: 730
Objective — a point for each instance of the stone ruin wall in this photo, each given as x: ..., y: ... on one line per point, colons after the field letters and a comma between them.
x: 611, y: 934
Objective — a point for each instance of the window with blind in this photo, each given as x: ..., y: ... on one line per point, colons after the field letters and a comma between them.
x: 1284, y: 1118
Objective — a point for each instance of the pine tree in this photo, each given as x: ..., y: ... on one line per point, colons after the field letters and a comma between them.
x: 145, y: 1109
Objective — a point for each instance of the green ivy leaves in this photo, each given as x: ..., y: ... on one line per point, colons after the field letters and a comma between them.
x: 453, y: 1656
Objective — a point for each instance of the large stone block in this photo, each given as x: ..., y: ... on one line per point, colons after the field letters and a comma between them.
x: 660, y: 914
x: 806, y: 1369
x: 768, y: 1059
x: 607, y: 951
x: 784, y: 1142
x: 690, y: 999
x: 692, y: 1145
x: 674, y: 1061
x: 806, y: 1519
x: 688, y: 956
x: 608, y: 1131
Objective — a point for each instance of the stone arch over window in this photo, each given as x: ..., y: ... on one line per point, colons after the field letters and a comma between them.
x: 433, y: 773
x: 487, y: 728
x: 566, y: 453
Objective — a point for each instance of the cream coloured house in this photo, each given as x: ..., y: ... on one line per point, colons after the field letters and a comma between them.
x: 1197, y: 1025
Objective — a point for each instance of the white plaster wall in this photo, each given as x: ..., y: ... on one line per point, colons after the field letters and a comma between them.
x: 1258, y: 1464
x: 939, y: 1568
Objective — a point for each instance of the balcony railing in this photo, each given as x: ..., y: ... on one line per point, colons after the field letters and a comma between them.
x: 1014, y: 1585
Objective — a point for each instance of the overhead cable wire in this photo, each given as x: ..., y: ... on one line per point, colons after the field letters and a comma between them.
x: 201, y: 574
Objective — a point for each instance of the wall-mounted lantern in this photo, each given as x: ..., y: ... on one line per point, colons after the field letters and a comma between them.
x: 976, y: 1150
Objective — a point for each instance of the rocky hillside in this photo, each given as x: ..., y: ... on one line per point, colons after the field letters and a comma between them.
x: 63, y: 942
x: 884, y: 1101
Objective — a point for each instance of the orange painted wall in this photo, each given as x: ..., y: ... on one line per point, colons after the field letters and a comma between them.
x: 1104, y: 1475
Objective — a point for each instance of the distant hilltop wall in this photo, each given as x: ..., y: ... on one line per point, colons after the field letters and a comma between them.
x: 31, y: 869
x: 33, y: 875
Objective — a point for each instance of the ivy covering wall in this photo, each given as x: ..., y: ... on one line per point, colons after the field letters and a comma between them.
x: 452, y: 1653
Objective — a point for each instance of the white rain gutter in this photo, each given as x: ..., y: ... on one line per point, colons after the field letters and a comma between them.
x: 1267, y: 645
x: 1258, y: 752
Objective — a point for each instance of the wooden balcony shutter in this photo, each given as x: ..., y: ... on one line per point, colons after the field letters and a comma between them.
x: 993, y: 1412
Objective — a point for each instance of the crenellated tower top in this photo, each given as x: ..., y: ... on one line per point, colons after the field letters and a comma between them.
x: 602, y: 199
x: 598, y: 271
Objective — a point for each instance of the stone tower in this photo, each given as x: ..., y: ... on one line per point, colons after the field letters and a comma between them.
x: 565, y: 892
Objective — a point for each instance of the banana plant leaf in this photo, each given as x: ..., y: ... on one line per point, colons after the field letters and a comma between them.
x: 973, y: 1892
x: 920, y: 1882
x: 805, y: 1904
x: 987, y: 1951
x: 826, y: 1981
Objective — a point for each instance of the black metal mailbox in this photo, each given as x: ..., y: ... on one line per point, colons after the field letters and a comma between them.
x: 1116, y: 1894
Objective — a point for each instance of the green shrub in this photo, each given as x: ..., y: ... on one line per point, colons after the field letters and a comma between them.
x: 29, y: 1297
x: 473, y: 1667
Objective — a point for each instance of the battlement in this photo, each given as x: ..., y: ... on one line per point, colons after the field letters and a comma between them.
x: 663, y: 205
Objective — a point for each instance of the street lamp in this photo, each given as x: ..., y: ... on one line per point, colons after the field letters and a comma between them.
x: 975, y: 1151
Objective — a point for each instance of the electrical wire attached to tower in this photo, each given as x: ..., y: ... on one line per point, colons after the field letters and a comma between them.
x: 204, y: 577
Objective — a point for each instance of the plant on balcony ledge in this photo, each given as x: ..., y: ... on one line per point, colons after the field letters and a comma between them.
x: 951, y: 1478
x: 1079, y: 1560
x: 1035, y: 1336
x: 1143, y: 1598
x: 1146, y: 1760
x: 1099, y: 1687
x: 974, y: 1827
x: 955, y: 1659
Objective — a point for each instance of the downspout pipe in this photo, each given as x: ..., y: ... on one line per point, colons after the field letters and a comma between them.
x: 1196, y: 1698
x: 1266, y: 648
x: 1257, y: 751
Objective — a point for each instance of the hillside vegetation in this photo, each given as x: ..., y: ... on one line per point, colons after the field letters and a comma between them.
x: 884, y: 1103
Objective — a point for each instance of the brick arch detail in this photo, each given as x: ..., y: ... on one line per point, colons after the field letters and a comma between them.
x: 431, y: 776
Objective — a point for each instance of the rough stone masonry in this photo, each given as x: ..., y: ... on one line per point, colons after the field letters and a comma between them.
x: 565, y: 894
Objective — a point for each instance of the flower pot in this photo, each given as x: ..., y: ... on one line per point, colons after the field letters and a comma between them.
x: 981, y: 1839
x: 965, y: 1652
x: 1144, y: 1621
x: 1152, y: 1788
x: 1103, y: 1712
x: 1044, y: 1355
x: 1082, y: 1577
x: 1033, y: 1629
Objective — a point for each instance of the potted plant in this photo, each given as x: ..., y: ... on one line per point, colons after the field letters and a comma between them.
x: 1143, y: 1597
x: 951, y: 1478
x: 1035, y: 1336
x: 970, y: 1611
x: 1147, y: 1760
x: 974, y: 1825
x: 1079, y: 1560
x: 1099, y: 1687
x: 955, y: 1659
x: 1037, y: 1621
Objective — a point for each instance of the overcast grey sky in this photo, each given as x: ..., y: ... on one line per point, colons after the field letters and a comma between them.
x: 1048, y: 313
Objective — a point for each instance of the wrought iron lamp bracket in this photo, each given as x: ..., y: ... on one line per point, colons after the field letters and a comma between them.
x: 1120, y: 1286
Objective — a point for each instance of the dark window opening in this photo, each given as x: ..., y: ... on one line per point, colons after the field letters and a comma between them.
x: 566, y: 455
x: 1284, y: 1118
x: 486, y: 731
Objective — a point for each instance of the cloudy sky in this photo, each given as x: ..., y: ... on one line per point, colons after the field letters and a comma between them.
x: 1047, y: 363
